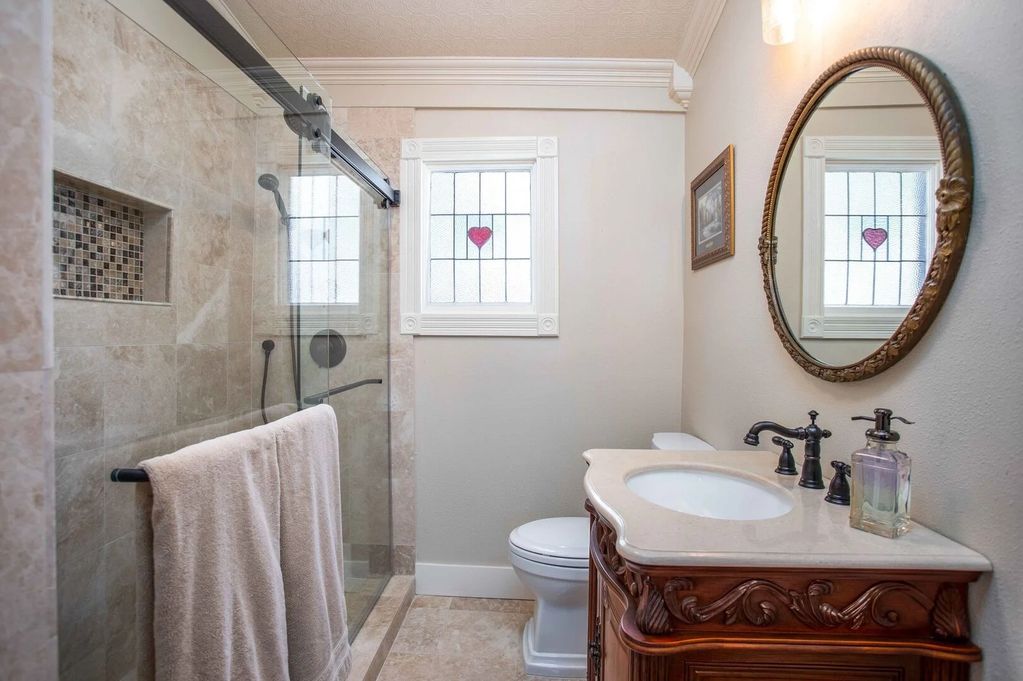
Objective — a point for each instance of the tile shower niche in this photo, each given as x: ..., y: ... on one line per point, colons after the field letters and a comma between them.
x: 108, y: 245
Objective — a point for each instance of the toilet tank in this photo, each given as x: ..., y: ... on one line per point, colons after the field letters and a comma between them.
x: 680, y: 442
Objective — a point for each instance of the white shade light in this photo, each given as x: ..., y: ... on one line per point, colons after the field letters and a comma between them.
x: 779, y: 18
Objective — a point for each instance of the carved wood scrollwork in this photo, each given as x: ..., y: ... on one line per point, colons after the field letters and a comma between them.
x: 651, y: 614
x: 950, y: 618
x: 757, y: 601
x: 606, y: 538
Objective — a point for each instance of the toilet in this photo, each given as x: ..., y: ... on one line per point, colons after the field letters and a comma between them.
x: 551, y: 558
x: 679, y: 442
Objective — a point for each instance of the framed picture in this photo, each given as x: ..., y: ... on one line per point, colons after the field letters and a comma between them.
x: 712, y: 211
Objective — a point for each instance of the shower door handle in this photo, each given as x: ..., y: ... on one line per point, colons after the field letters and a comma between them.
x: 319, y: 398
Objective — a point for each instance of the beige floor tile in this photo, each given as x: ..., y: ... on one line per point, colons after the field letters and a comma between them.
x: 492, y: 605
x: 459, y: 639
x: 442, y: 602
x: 490, y: 635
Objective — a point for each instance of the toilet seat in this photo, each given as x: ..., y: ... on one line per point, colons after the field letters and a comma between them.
x: 562, y: 542
x: 555, y: 561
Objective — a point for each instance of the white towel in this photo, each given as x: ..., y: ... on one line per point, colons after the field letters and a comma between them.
x: 240, y: 557
x: 311, y: 548
x: 213, y: 607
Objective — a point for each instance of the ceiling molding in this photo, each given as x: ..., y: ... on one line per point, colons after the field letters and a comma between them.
x: 700, y: 28
x: 491, y: 71
x: 631, y: 84
x: 681, y: 88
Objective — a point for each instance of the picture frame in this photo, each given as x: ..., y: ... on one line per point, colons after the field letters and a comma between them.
x: 712, y: 211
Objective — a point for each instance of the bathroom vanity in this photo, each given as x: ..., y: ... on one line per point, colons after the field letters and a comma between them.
x: 707, y: 566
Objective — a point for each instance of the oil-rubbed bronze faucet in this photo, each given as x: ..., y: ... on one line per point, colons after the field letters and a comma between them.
x: 812, y: 434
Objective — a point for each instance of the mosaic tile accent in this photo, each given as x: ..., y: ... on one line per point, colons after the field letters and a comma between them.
x: 97, y: 244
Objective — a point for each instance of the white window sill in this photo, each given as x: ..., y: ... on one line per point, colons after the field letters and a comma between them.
x: 479, y: 324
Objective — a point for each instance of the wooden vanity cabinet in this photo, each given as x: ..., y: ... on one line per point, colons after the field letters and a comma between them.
x: 651, y: 623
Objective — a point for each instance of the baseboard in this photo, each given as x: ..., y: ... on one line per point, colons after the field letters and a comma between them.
x: 469, y: 581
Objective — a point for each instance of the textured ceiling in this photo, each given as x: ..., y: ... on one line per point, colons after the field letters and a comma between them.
x: 479, y: 28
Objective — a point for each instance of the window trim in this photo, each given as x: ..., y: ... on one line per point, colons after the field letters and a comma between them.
x: 903, y: 152
x: 421, y: 156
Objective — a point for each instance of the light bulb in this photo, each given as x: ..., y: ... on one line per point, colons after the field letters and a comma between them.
x: 780, y: 18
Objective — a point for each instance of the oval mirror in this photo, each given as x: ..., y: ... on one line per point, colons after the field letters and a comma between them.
x: 867, y: 213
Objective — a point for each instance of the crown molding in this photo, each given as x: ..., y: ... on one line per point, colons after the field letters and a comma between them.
x: 491, y: 71
x: 699, y: 29
x: 640, y: 84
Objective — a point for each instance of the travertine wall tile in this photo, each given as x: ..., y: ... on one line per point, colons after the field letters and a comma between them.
x: 27, y: 578
x: 139, y: 398
x: 201, y: 381
x: 24, y: 170
x: 28, y: 627
x: 78, y: 396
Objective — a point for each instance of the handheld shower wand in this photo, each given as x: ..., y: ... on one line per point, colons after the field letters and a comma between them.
x: 270, y: 183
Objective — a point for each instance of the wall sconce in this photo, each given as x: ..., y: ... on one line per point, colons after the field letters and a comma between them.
x: 779, y: 18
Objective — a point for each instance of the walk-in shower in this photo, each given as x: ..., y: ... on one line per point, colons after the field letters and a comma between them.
x: 264, y: 235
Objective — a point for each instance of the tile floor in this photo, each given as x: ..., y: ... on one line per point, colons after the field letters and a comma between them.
x: 459, y: 639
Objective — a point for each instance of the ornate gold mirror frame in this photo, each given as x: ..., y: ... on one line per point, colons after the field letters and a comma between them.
x: 953, y: 210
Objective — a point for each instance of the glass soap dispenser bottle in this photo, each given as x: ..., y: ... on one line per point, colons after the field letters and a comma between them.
x: 880, y: 480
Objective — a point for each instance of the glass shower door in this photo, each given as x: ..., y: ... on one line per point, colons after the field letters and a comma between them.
x: 324, y: 267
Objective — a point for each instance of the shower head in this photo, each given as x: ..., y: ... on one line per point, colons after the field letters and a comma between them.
x: 269, y: 182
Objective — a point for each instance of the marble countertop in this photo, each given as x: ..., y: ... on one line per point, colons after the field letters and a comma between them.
x: 813, y: 534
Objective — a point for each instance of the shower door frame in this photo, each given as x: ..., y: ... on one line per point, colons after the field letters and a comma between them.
x: 305, y: 115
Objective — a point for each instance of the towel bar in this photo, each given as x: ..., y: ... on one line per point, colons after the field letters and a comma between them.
x: 139, y: 475
x: 129, y: 475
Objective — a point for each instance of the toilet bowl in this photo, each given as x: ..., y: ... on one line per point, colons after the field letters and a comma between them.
x: 550, y: 556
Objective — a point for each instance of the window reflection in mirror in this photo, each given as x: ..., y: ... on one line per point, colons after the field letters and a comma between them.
x: 855, y: 219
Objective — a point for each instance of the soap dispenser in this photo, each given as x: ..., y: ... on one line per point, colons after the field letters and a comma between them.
x: 880, y: 480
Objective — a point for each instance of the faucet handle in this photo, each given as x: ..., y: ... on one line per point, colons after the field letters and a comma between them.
x: 786, y: 462
x: 838, y: 491
x: 824, y: 432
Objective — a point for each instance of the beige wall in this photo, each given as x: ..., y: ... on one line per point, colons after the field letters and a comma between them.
x: 28, y: 603
x: 501, y: 422
x: 962, y: 384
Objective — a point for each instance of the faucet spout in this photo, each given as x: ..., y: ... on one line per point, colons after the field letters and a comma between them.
x: 753, y: 436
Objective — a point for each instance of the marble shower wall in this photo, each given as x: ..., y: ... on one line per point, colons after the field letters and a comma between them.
x: 28, y: 626
x: 135, y: 379
x: 378, y: 132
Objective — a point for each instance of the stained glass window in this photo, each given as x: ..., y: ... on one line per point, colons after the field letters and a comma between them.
x: 323, y: 255
x: 875, y: 236
x: 480, y: 230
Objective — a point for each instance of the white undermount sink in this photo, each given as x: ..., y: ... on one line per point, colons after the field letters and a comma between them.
x: 711, y: 493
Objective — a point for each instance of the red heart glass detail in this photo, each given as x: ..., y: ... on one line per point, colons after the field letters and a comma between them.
x: 875, y: 236
x: 480, y: 235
